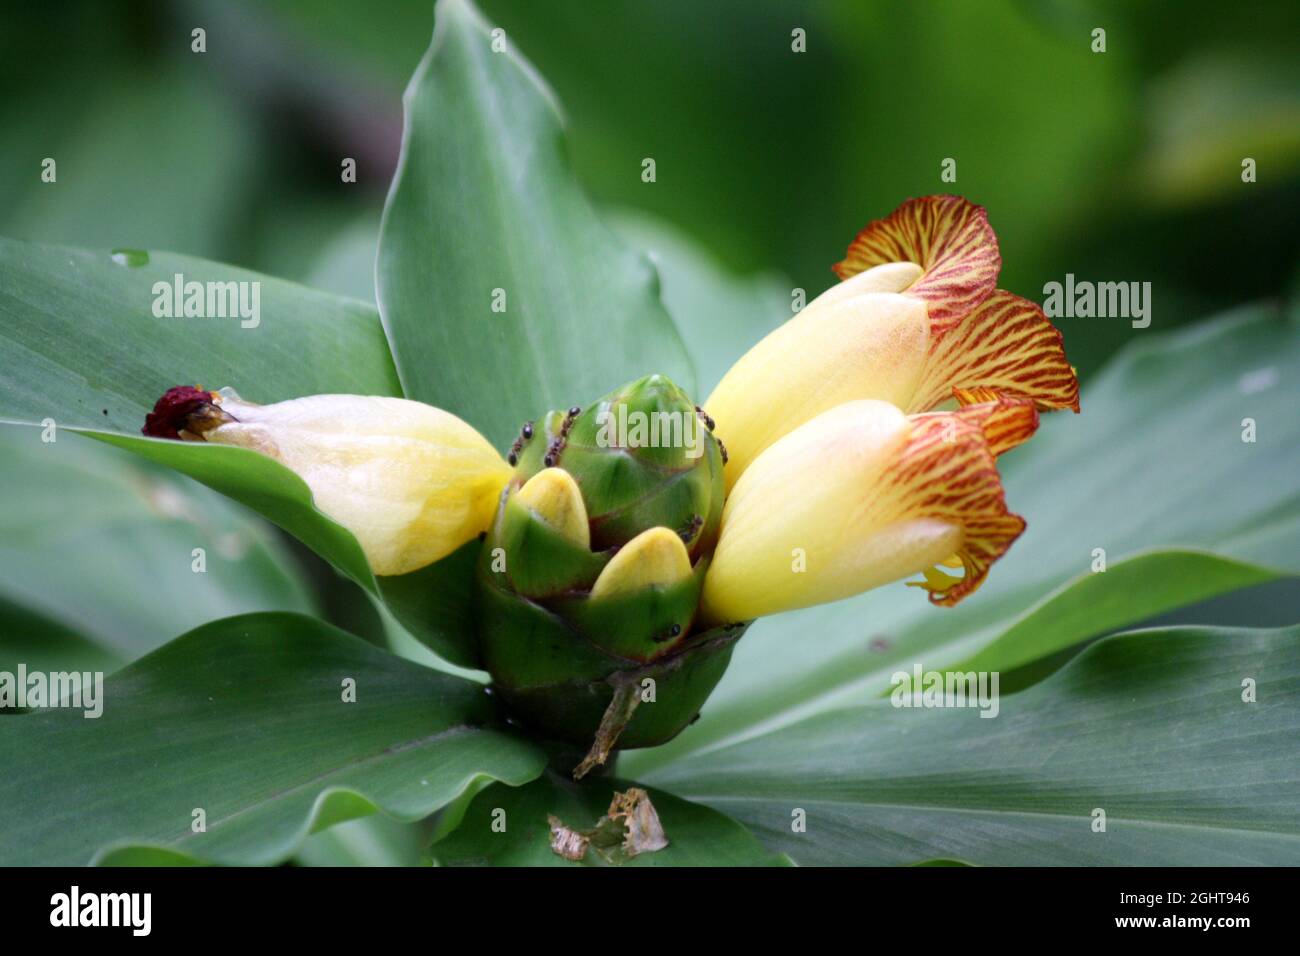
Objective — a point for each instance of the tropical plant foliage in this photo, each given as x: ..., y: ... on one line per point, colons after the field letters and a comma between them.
x: 228, y: 699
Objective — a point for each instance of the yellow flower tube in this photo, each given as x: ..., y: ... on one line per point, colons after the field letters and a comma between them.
x: 410, y: 481
x: 916, y: 322
x: 863, y: 495
x: 870, y: 345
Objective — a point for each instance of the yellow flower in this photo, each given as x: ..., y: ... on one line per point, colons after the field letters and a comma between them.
x: 410, y: 481
x: 862, y: 495
x: 555, y: 498
x: 654, y: 558
x: 917, y: 322
x: 871, y: 345
x: 843, y: 473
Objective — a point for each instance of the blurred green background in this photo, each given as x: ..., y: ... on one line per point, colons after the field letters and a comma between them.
x: 1115, y: 166
x: 1123, y: 165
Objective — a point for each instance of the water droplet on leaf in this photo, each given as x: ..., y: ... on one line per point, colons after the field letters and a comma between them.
x: 133, y: 258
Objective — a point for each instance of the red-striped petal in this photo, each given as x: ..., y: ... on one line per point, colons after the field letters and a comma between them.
x: 950, y: 238
x: 1005, y: 421
x: 1007, y: 346
x: 948, y: 472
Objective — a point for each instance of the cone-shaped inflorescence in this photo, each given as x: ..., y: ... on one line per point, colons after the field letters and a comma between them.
x: 590, y: 576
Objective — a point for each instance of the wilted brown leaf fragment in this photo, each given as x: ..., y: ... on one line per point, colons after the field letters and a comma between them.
x: 645, y: 834
x: 566, y: 842
x: 629, y: 828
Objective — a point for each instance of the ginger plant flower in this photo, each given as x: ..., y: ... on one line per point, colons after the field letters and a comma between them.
x: 863, y: 495
x: 624, y: 552
x: 917, y: 321
x: 411, y: 482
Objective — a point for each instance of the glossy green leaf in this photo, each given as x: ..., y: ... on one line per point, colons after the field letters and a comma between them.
x: 45, y: 644
x: 103, y: 545
x: 431, y: 603
x: 103, y: 373
x: 697, y: 835
x: 1144, y: 586
x: 720, y: 314
x: 485, y: 210
x: 436, y: 605
x: 264, y: 485
x: 375, y: 840
x: 79, y: 341
x: 1152, y: 727
x: 1159, y: 438
x: 120, y: 181
x: 244, y: 718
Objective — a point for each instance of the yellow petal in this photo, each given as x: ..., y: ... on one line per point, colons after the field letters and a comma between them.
x: 887, y: 277
x: 654, y: 558
x: 870, y: 345
x: 948, y: 236
x: 555, y: 498
x: 860, y: 496
x: 410, y: 481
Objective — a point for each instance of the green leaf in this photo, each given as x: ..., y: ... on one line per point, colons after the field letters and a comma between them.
x: 436, y: 605
x: 121, y: 180
x: 45, y: 644
x: 345, y: 265
x: 264, y: 485
x: 1159, y: 438
x: 484, y: 199
x: 1144, y: 586
x: 720, y: 314
x: 83, y: 348
x: 1151, y: 727
x: 101, y: 545
x: 697, y: 835
x: 1208, y: 114
x: 369, y: 841
x: 430, y: 603
x: 244, y: 718
x: 80, y: 343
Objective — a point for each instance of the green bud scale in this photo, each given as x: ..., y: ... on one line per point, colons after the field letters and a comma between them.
x: 626, y: 667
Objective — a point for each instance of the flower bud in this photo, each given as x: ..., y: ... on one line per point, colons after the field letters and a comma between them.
x: 591, y: 572
x: 643, y: 457
x: 654, y: 558
x: 868, y: 345
x: 410, y: 481
x: 864, y: 495
x: 554, y: 497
